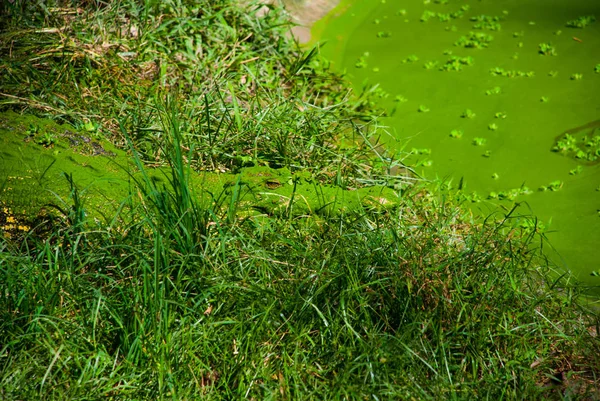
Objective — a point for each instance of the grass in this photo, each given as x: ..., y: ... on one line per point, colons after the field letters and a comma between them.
x: 181, y: 296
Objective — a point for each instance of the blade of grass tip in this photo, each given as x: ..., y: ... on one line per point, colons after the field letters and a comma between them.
x: 207, y: 118
x: 419, y: 357
x: 290, y: 206
x: 302, y: 61
x: 54, y: 360
x: 231, y: 211
x: 236, y: 107
x: 136, y: 159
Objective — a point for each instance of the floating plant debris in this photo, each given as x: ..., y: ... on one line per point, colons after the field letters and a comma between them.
x: 586, y: 148
x: 474, y: 40
x: 576, y: 170
x: 494, y: 91
x: 487, y: 22
x: 581, y: 22
x: 422, y: 151
x: 430, y: 65
x: 547, y: 49
x: 553, y: 186
x: 468, y: 113
x: 497, y: 71
x: 443, y: 17
x: 362, y: 61
x: 456, y: 133
x: 456, y: 63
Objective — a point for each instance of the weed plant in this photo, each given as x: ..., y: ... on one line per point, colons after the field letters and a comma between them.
x: 181, y: 297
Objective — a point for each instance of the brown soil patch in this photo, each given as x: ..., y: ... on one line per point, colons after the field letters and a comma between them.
x: 307, y: 12
x: 303, y: 13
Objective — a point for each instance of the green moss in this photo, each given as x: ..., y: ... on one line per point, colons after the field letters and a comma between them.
x: 33, y: 176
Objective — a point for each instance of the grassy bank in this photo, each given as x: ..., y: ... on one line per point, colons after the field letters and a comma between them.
x: 185, y: 296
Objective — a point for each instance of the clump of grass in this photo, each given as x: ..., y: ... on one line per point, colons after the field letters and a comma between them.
x: 135, y: 311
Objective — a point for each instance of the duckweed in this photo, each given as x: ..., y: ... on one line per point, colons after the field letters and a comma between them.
x: 456, y: 63
x: 468, y: 113
x: 486, y: 22
x: 581, y: 22
x: 546, y: 49
x: 475, y: 40
x: 553, y: 186
x: 456, y: 133
x: 497, y: 71
x: 430, y: 65
x: 576, y: 170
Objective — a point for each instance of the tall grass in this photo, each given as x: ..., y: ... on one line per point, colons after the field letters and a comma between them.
x: 418, y: 302
x: 182, y: 297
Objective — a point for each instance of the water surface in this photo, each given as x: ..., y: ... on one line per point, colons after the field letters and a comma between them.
x: 508, y: 102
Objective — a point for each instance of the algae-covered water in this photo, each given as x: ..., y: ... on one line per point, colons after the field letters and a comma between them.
x: 482, y: 92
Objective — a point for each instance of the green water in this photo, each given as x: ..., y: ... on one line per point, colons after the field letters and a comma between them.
x: 518, y: 117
